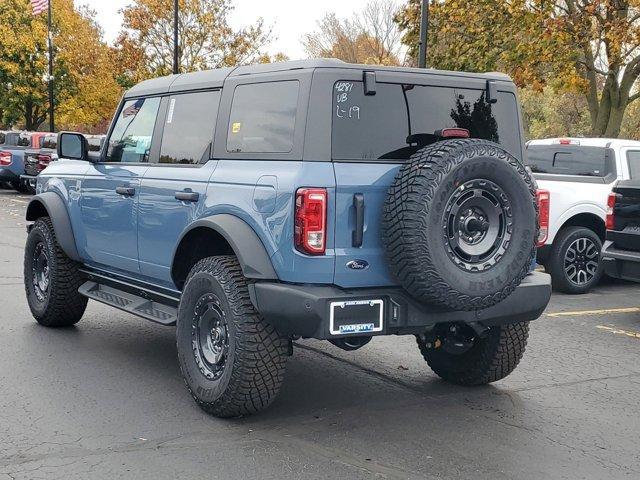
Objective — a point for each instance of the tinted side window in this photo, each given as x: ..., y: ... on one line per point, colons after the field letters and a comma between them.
x: 633, y: 159
x: 188, y: 128
x: 12, y: 139
x: 130, y: 140
x: 50, y: 141
x: 95, y: 143
x: 568, y: 160
x: 400, y: 119
x: 263, y: 117
x: 24, y: 140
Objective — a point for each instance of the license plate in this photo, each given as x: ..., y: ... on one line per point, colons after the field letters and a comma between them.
x: 356, y: 317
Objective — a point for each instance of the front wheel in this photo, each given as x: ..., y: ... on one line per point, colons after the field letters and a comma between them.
x: 574, y: 263
x: 51, y: 279
x: 232, y: 360
x: 459, y: 355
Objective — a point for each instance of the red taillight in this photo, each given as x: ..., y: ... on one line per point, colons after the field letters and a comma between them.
x: 544, y: 200
x: 310, y: 233
x: 43, y: 161
x: 5, y: 158
x: 611, y: 204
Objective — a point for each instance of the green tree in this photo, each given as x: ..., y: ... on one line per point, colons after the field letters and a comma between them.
x: 590, y: 47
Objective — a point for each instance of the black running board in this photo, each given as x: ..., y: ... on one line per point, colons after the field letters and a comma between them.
x: 130, y: 303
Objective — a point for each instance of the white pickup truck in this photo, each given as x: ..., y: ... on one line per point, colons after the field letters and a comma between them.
x: 579, y: 174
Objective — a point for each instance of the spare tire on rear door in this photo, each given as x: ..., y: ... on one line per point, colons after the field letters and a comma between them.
x: 460, y: 223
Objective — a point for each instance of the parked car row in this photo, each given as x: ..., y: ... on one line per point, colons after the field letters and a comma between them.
x: 578, y: 174
x: 23, y: 155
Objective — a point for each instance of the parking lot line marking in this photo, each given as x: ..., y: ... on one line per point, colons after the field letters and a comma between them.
x: 594, y: 312
x: 619, y: 331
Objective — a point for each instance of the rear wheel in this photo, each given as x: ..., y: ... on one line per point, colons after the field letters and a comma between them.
x: 51, y: 279
x: 232, y: 360
x: 574, y: 262
x: 459, y: 355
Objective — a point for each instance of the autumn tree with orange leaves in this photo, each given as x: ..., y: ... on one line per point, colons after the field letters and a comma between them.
x: 590, y: 47
x: 86, y: 91
x: 206, y: 40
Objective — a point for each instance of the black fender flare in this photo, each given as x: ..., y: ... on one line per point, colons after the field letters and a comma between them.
x: 50, y: 204
x: 244, y: 241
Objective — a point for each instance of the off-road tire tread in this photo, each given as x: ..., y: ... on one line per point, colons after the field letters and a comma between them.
x: 499, y: 354
x: 66, y: 305
x: 260, y: 354
x: 406, y: 210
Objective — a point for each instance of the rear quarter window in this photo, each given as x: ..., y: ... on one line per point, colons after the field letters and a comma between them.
x: 402, y: 118
x: 263, y: 117
x: 633, y: 160
x: 568, y: 160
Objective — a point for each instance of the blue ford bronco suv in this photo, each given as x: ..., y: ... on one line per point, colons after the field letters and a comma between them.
x: 256, y: 205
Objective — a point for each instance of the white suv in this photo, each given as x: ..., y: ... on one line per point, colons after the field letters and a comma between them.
x: 578, y: 173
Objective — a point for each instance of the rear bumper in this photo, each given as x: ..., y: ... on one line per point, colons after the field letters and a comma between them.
x: 623, y: 264
x: 29, y: 180
x: 304, y: 309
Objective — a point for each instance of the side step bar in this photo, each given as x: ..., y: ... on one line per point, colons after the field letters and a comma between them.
x: 135, y: 304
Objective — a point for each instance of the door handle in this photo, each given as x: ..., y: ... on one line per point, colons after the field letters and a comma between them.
x: 187, y: 196
x: 358, y: 233
x: 126, y: 191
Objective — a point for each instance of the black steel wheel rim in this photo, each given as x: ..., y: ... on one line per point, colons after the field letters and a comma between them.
x: 581, y: 261
x: 210, y: 337
x: 477, y: 225
x: 40, y: 271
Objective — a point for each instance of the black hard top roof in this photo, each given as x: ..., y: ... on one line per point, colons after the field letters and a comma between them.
x: 215, y: 78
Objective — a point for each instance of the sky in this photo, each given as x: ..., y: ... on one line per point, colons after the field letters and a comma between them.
x: 289, y: 19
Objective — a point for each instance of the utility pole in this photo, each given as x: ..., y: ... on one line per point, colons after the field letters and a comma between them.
x: 176, y: 48
x: 52, y: 124
x: 424, y: 28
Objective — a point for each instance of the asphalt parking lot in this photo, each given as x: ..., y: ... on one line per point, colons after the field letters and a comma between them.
x: 105, y: 399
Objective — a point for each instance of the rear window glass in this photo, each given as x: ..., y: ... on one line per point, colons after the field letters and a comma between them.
x: 568, y: 160
x: 24, y: 140
x: 188, y: 128
x: 2, y: 137
x: 263, y: 117
x: 400, y: 119
x: 50, y: 141
x: 633, y: 160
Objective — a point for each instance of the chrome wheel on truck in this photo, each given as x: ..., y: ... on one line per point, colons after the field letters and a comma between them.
x: 574, y: 262
x: 581, y: 261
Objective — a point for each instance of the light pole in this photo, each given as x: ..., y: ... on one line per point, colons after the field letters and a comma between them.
x: 424, y: 28
x: 176, y: 53
x: 52, y: 124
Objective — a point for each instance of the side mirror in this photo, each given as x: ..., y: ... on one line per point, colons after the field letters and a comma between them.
x: 73, y: 146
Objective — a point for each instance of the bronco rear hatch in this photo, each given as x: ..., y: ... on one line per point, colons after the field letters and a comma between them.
x: 375, y: 131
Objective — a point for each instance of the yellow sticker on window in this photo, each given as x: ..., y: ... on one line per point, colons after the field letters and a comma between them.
x: 235, y: 127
